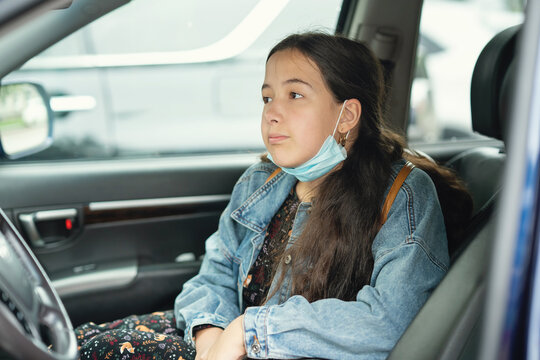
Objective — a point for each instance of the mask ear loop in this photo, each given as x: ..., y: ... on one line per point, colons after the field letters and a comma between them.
x: 342, y: 141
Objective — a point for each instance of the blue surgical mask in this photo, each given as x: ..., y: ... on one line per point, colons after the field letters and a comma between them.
x: 329, y: 155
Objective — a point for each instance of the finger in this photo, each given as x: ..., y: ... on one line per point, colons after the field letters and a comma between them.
x: 203, y: 355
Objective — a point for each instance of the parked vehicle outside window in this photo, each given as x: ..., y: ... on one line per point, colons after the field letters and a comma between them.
x: 188, y: 83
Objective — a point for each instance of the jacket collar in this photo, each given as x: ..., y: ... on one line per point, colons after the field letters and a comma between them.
x: 256, y: 212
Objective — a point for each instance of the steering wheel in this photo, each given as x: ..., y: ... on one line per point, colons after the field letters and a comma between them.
x: 33, y: 321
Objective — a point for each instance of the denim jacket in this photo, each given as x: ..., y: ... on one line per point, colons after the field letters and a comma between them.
x: 410, y: 258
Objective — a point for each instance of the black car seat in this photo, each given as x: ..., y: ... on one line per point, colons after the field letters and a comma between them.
x: 448, y: 326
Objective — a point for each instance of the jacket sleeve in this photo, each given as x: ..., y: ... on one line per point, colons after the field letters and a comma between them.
x: 211, y: 297
x: 411, y: 257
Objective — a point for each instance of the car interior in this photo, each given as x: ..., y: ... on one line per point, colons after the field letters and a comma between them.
x: 137, y: 226
x: 448, y: 325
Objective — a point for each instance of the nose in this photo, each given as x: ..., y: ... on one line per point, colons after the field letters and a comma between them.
x: 272, y: 112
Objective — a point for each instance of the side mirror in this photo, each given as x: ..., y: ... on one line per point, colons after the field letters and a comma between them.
x: 25, y: 120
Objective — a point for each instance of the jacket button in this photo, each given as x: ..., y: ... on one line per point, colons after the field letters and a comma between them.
x: 256, y: 348
x: 288, y: 259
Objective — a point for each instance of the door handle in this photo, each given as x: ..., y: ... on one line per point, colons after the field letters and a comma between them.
x: 63, y: 104
x: 45, y: 227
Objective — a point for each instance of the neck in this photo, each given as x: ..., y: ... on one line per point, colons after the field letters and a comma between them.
x: 306, y: 191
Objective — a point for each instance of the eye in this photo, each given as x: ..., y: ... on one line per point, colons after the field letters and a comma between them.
x: 266, y: 99
x: 295, y: 95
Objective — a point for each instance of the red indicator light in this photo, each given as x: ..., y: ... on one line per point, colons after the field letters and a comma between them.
x: 69, y: 224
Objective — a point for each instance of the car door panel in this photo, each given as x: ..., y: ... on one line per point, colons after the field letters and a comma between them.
x: 153, y: 289
x: 139, y: 228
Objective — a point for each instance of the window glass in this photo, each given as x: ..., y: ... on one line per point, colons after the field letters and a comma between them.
x: 74, y: 44
x: 170, y: 79
x: 172, y: 26
x: 452, y: 35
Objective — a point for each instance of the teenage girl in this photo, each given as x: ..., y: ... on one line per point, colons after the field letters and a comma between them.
x: 329, y: 246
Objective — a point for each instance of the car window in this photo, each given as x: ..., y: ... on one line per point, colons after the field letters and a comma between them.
x: 175, y: 25
x: 452, y: 35
x: 150, y: 80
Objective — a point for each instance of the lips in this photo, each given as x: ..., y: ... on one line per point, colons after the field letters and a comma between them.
x: 276, y: 138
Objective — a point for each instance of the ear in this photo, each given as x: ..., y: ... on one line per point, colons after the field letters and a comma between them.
x: 351, y: 115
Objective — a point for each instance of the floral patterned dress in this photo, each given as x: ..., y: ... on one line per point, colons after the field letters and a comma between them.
x: 146, y: 337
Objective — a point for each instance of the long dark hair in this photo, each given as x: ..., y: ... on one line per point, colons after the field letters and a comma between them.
x: 332, y: 258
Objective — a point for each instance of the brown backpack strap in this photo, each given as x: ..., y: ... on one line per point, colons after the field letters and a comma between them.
x: 400, y: 178
x: 273, y: 174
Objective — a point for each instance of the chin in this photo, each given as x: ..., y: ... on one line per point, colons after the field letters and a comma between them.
x: 284, y: 160
x: 286, y: 164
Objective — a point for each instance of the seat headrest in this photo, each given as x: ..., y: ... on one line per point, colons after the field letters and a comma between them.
x: 492, y: 80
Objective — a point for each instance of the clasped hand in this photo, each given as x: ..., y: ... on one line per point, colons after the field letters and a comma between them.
x: 217, y: 344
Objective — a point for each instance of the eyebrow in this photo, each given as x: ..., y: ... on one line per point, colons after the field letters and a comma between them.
x: 290, y: 81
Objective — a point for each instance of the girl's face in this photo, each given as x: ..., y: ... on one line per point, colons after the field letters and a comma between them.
x: 299, y: 110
